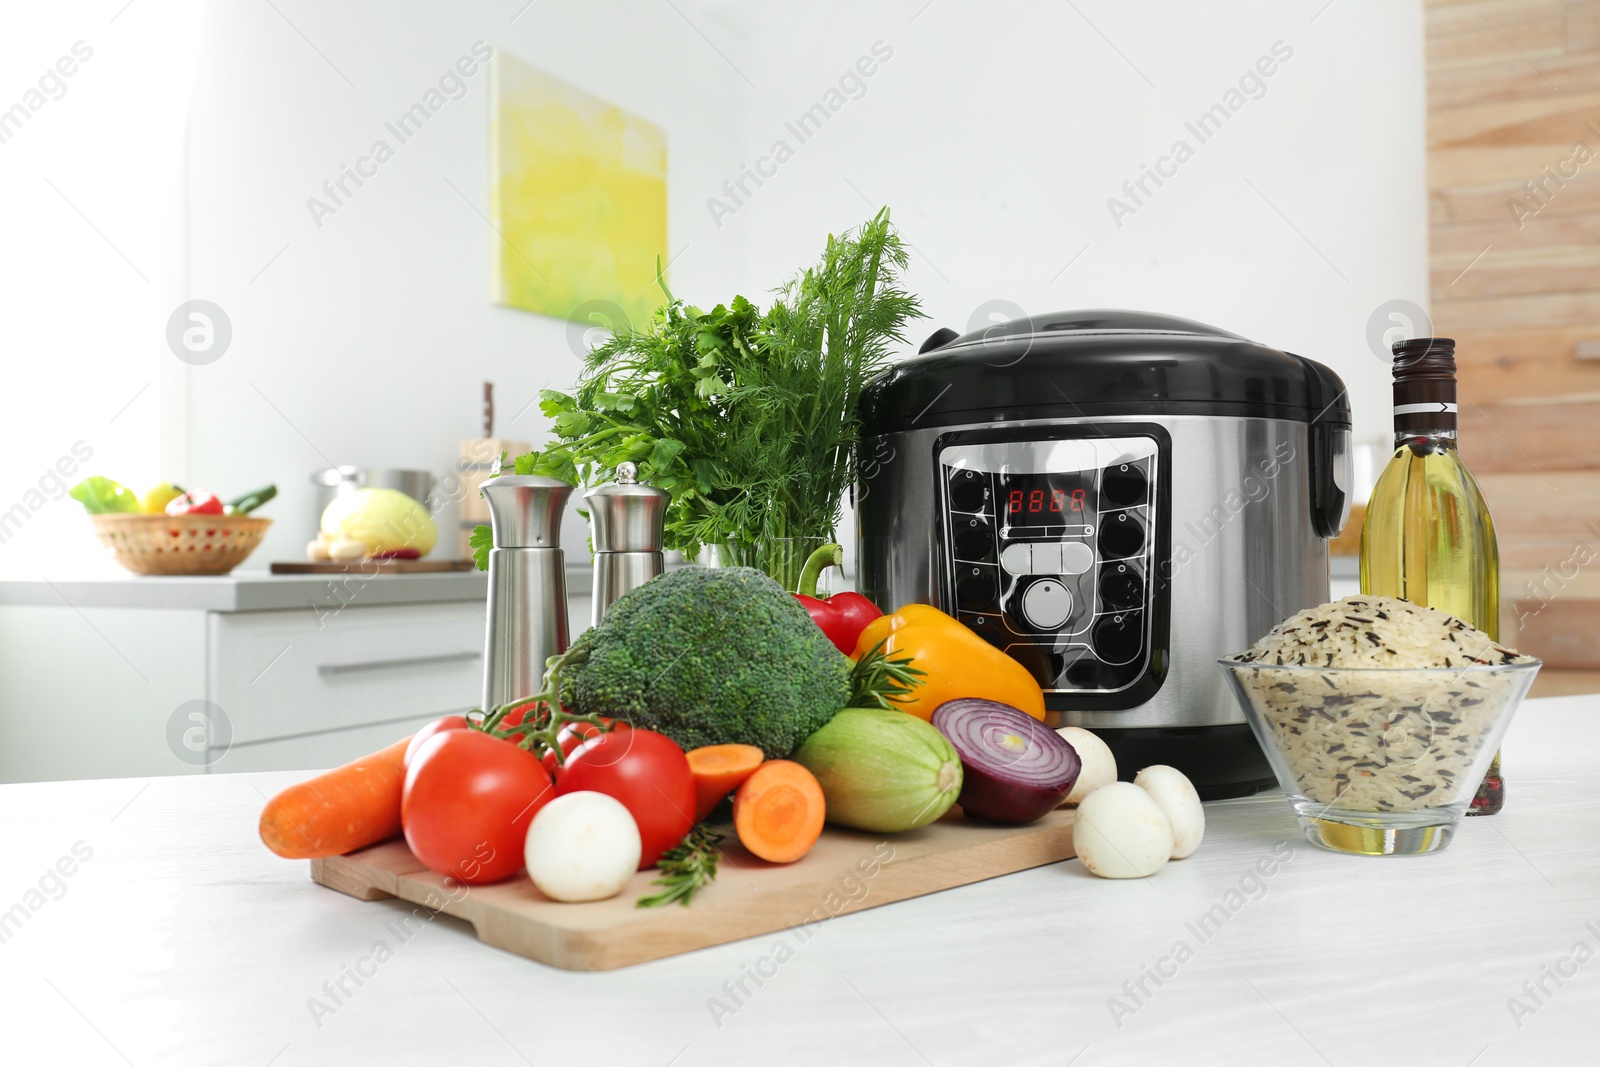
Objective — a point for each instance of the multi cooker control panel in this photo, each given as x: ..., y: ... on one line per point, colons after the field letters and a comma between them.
x: 1048, y: 554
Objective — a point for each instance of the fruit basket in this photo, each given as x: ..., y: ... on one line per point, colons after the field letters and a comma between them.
x: 180, y: 544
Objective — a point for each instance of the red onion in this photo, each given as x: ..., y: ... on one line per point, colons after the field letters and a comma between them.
x: 1016, y: 769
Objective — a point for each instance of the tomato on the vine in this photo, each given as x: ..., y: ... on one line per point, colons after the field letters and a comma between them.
x: 467, y: 803
x: 572, y: 735
x: 449, y: 722
x: 648, y: 773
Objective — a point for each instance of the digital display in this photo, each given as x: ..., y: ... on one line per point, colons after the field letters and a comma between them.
x: 1046, y: 499
x: 1034, y: 501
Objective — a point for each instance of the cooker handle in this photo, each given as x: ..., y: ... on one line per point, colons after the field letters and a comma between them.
x: 1331, y: 475
x: 938, y: 339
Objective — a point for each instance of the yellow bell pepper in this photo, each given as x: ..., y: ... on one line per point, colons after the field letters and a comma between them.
x: 958, y: 662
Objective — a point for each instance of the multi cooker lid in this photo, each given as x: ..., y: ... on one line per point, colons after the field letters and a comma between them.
x: 1078, y: 364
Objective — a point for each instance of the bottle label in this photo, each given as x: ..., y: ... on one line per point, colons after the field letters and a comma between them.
x: 1424, y: 404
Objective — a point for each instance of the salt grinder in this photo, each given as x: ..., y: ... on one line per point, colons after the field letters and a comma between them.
x: 527, y: 618
x: 626, y: 520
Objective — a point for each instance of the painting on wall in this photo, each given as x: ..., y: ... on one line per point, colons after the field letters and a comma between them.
x: 579, y: 197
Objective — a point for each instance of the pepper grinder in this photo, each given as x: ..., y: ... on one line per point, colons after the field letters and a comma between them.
x: 626, y: 520
x: 527, y: 617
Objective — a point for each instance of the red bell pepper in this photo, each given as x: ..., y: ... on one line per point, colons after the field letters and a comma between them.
x: 841, y: 616
x: 195, y: 504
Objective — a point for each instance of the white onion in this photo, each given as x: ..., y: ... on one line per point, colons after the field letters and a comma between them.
x: 582, y: 846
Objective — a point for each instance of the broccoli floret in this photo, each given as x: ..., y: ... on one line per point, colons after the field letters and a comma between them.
x: 711, y: 656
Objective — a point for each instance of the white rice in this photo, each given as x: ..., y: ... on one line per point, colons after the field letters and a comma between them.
x: 1380, y: 740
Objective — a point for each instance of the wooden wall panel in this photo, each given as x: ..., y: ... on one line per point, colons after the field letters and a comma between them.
x: 1514, y: 272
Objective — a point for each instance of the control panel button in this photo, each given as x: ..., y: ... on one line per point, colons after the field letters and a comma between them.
x: 1117, y: 638
x: 1017, y: 558
x: 1121, y: 536
x: 1123, y: 485
x: 975, y: 588
x: 1121, y: 589
x: 969, y: 490
x: 1076, y: 557
x: 1047, y: 604
x: 973, y: 539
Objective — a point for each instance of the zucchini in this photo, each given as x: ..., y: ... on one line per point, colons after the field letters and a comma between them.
x: 244, y: 505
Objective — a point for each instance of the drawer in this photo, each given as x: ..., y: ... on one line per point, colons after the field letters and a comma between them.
x: 315, y: 752
x: 279, y: 674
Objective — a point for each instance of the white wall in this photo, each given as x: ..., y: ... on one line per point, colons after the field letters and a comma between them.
x: 367, y: 340
x: 997, y: 132
x: 88, y: 256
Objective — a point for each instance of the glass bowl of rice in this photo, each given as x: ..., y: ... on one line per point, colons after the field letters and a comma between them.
x: 1379, y: 718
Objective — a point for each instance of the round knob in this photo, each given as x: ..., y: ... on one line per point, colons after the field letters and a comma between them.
x: 1121, y: 536
x: 1047, y: 604
x: 1117, y: 638
x: 1123, y: 485
x: 1120, y: 588
x: 627, y: 473
x: 968, y: 490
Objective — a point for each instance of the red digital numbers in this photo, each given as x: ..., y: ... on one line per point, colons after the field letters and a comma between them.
x: 1034, y: 501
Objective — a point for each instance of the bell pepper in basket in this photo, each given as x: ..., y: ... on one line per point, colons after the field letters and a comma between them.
x: 841, y: 616
x: 958, y: 662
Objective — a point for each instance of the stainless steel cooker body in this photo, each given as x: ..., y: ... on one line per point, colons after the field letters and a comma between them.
x: 1120, y: 635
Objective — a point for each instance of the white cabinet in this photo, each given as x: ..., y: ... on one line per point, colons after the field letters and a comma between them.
x: 156, y: 676
x: 282, y: 674
x: 98, y: 692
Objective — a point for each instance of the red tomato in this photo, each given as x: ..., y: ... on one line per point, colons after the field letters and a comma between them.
x: 467, y: 803
x: 572, y: 735
x: 449, y: 722
x: 648, y: 773
x: 195, y: 504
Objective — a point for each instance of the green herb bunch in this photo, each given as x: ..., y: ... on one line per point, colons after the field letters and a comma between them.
x: 748, y: 418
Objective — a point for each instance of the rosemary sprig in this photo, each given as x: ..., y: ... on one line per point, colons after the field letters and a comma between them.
x: 878, y: 681
x: 686, y: 868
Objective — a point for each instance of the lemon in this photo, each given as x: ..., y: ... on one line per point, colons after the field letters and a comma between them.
x: 155, y: 500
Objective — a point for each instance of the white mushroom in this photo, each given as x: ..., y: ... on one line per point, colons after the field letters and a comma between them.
x: 1099, y: 765
x: 317, y: 550
x: 1121, y: 832
x: 1176, y: 794
x: 582, y: 846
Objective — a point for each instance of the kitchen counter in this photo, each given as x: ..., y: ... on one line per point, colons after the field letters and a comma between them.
x: 181, y: 940
x: 251, y: 590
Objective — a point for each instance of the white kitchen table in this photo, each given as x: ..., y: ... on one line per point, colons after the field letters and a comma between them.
x: 180, y: 939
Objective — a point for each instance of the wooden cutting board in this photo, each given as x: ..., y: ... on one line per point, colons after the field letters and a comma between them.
x: 372, y: 566
x: 845, y: 872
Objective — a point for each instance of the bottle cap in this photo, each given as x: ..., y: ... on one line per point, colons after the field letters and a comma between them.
x: 1424, y: 384
x: 627, y: 516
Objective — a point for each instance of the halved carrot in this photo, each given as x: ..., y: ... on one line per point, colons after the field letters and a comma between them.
x: 778, y: 812
x: 719, y: 770
x: 347, y: 808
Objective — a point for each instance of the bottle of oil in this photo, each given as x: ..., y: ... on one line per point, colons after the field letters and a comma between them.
x: 1428, y: 537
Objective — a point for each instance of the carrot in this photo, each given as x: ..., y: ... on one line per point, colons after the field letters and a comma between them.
x: 719, y: 770
x: 778, y: 811
x: 347, y: 808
